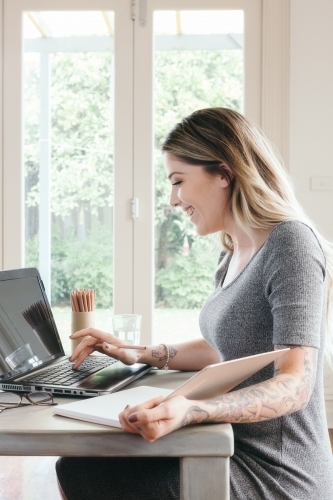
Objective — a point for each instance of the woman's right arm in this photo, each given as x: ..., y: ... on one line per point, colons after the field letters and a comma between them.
x: 188, y: 356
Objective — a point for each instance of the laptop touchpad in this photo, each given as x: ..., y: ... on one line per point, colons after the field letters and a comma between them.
x: 110, y: 376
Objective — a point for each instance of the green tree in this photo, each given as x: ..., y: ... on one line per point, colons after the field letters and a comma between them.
x: 82, y: 168
x: 186, y: 81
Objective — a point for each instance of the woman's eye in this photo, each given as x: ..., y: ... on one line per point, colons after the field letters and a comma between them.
x: 176, y: 183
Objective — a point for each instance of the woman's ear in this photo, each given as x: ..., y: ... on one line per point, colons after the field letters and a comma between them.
x: 227, y: 175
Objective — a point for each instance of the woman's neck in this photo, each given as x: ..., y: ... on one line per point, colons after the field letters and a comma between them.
x: 247, y: 242
x: 245, y: 246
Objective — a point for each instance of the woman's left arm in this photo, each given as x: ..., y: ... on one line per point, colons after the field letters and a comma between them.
x: 288, y: 391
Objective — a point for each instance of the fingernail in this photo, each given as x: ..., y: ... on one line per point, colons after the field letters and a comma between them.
x: 127, y: 406
x: 107, y: 346
x: 71, y: 335
x: 133, y: 418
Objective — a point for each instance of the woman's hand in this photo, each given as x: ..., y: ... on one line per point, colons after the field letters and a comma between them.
x: 156, y: 418
x: 104, y: 342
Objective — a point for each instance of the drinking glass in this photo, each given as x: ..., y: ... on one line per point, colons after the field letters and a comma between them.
x: 127, y: 327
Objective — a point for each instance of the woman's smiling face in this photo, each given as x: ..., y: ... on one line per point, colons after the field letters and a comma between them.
x: 203, y: 197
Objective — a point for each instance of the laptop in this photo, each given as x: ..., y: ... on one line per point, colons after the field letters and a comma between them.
x: 32, y: 357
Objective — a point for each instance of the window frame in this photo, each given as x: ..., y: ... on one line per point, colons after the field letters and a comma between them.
x: 12, y: 166
x: 133, y: 173
x: 143, y: 120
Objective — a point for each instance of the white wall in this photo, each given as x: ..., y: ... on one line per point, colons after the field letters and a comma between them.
x: 311, y: 105
x: 311, y: 123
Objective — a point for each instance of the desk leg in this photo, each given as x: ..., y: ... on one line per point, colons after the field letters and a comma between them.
x: 204, y: 478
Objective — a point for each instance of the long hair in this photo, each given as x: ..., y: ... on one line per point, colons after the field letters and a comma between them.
x: 261, y: 192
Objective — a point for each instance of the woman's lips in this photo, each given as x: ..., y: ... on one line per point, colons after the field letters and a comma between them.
x: 189, y: 211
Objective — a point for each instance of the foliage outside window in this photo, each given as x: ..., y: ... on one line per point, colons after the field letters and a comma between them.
x: 82, y: 170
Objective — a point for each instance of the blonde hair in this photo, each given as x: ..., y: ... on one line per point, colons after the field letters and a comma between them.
x: 261, y: 194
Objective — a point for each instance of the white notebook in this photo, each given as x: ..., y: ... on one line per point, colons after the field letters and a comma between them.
x: 212, y: 381
x: 105, y: 409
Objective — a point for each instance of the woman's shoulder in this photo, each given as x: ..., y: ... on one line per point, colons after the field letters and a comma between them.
x: 293, y: 235
x: 291, y: 245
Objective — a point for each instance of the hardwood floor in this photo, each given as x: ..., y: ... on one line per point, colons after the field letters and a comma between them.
x: 28, y: 478
x: 34, y: 478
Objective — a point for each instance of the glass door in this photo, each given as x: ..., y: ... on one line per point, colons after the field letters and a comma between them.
x: 90, y: 88
x: 72, y: 164
x: 201, y: 54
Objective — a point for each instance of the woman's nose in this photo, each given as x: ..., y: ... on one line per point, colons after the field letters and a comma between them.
x: 174, y: 200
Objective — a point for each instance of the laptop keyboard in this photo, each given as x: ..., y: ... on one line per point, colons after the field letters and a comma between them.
x: 63, y: 374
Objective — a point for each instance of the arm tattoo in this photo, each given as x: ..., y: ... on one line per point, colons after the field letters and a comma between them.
x: 194, y: 415
x: 278, y: 347
x: 281, y: 395
x: 161, y: 355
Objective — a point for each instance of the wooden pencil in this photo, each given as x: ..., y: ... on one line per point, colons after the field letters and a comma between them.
x: 82, y: 300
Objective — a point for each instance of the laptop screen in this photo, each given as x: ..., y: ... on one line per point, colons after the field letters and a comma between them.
x: 28, y: 335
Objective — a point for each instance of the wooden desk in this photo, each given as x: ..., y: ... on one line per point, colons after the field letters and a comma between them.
x: 204, y: 450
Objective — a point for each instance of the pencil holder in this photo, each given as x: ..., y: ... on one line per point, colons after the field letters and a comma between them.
x: 81, y: 320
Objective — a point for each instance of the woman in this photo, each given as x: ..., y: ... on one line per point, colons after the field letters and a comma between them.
x: 273, y: 289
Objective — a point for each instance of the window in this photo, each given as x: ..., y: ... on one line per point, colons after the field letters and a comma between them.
x: 198, y: 63
x: 200, y: 54
x: 99, y: 92
x: 68, y: 152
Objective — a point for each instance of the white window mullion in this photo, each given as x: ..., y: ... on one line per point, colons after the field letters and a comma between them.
x: 275, y: 74
x: 143, y: 285
x: 12, y: 138
x: 123, y: 173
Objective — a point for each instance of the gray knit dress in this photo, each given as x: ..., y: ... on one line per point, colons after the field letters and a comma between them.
x: 279, y: 298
